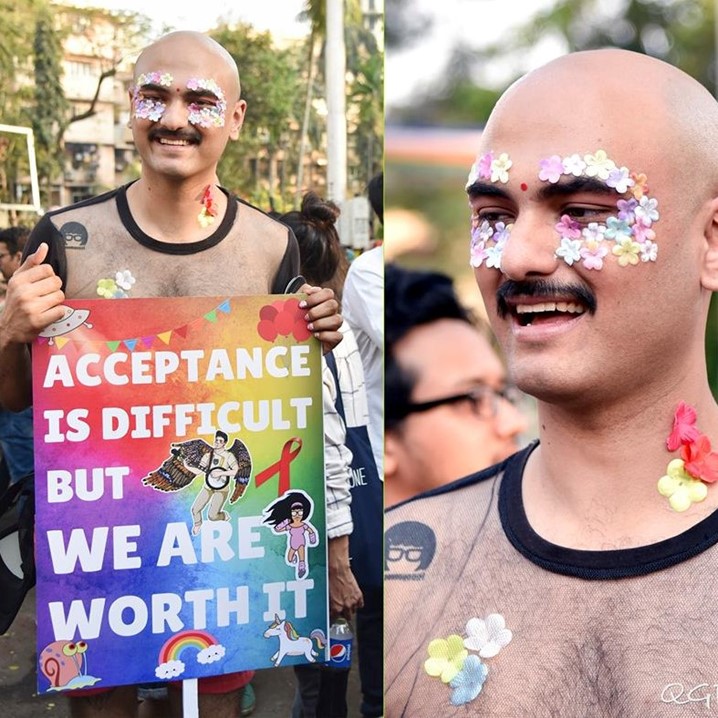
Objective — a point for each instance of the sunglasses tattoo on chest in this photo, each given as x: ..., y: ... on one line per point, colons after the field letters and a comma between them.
x: 627, y: 235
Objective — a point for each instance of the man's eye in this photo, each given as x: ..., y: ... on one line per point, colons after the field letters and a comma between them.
x: 588, y: 214
x: 493, y: 216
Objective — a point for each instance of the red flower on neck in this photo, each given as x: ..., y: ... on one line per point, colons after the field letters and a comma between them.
x: 208, y: 202
x: 684, y: 428
x: 700, y: 462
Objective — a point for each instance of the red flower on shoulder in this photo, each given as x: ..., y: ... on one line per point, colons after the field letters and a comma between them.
x: 700, y: 461
x: 684, y: 427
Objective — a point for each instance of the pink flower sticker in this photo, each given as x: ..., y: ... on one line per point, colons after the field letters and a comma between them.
x: 551, y: 169
x: 684, y: 427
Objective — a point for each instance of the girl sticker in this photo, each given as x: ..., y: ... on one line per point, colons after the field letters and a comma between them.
x: 290, y: 515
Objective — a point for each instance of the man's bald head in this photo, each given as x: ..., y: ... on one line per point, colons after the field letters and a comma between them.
x: 617, y: 100
x: 202, y: 54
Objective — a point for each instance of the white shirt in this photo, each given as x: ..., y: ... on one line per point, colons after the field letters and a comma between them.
x: 363, y: 308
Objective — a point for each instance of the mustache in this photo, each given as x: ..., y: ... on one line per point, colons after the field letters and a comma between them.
x: 188, y: 135
x: 511, y: 289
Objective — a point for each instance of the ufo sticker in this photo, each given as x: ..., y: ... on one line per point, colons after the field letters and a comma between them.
x: 71, y: 319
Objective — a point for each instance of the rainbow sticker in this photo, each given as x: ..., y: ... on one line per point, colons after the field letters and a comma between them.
x: 169, y: 662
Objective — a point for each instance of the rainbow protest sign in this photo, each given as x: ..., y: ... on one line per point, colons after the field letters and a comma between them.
x: 179, y: 489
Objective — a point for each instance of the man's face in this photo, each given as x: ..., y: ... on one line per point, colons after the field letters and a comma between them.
x: 219, y: 442
x: 433, y: 447
x: 8, y: 262
x: 184, y: 109
x: 612, y: 295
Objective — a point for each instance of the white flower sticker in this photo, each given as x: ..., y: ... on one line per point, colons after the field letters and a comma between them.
x: 488, y: 636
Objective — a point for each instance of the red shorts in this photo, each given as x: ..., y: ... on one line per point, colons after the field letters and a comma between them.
x: 226, y: 683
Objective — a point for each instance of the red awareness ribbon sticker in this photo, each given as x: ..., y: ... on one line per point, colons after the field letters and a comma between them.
x: 290, y: 451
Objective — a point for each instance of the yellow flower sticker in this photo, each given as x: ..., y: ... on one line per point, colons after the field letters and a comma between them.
x: 680, y: 488
x: 446, y: 657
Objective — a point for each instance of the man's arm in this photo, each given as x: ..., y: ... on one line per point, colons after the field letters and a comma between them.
x: 32, y: 303
x: 322, y: 315
x: 344, y: 593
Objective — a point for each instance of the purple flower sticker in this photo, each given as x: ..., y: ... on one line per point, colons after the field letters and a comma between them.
x: 551, y: 169
x: 568, y: 227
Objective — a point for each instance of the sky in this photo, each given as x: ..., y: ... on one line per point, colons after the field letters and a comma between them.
x: 473, y: 22
x: 277, y: 16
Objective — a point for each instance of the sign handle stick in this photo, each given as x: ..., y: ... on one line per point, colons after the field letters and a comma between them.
x: 190, y: 699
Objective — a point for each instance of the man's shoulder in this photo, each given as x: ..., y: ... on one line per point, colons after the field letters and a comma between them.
x: 456, y: 491
x: 108, y: 196
x: 261, y: 222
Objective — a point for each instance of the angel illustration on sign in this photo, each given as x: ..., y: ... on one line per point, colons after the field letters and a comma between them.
x: 218, y: 464
x: 290, y: 514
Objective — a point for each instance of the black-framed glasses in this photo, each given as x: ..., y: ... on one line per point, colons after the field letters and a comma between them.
x: 485, y: 400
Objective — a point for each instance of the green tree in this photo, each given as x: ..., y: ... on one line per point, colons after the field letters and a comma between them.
x: 366, y: 92
x: 365, y: 67
x: 270, y: 86
x: 50, y: 107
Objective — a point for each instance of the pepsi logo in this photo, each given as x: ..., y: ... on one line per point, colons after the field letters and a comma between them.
x: 338, y: 652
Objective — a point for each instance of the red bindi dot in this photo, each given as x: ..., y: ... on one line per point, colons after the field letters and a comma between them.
x: 524, y: 186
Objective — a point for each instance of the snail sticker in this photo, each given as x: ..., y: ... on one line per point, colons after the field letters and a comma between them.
x: 64, y: 664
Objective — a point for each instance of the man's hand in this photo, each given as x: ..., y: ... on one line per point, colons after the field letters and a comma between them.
x: 344, y: 593
x: 32, y: 303
x: 323, y: 318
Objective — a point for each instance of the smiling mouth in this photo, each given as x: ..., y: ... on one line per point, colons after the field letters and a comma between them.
x: 544, y: 312
x: 173, y: 142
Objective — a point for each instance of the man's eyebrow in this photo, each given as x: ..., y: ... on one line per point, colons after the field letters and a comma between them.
x: 486, y: 189
x: 154, y: 87
x: 202, y: 92
x: 575, y: 185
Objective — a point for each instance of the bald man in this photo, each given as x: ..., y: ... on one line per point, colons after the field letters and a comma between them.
x: 577, y: 578
x: 173, y: 232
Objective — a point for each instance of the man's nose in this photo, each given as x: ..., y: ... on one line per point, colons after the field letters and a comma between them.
x: 530, y: 250
x: 175, y: 115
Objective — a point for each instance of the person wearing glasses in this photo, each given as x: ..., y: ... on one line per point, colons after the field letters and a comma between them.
x: 449, y: 410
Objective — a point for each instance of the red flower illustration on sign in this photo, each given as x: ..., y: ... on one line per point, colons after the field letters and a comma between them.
x: 282, y: 318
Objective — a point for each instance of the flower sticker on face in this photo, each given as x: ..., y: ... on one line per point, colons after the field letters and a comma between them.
x: 628, y: 235
x: 206, y: 112
x: 147, y: 106
x: 490, y: 168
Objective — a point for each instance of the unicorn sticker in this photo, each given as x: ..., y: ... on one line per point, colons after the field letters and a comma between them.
x: 291, y: 643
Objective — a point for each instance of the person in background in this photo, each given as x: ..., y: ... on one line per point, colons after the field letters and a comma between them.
x: 321, y: 693
x: 363, y: 308
x: 449, y: 410
x: 15, y: 427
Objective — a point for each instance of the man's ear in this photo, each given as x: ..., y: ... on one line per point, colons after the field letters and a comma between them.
x: 709, y: 270
x: 237, y: 119
x: 392, y: 456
